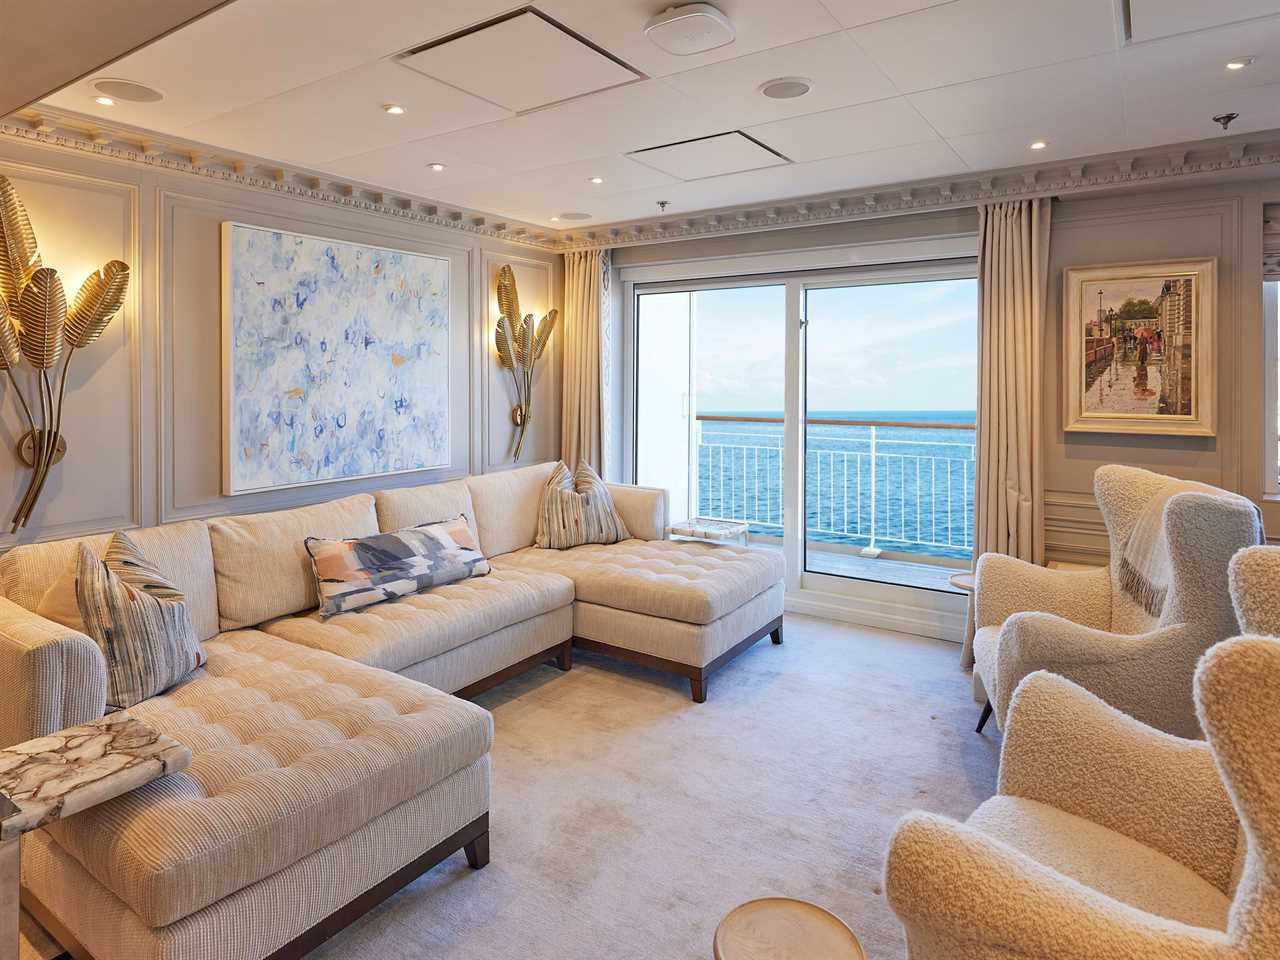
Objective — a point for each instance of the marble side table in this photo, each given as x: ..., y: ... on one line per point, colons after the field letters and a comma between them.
x: 54, y: 777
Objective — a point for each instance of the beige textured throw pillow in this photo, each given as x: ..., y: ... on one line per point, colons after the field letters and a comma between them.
x: 139, y: 620
x: 577, y: 509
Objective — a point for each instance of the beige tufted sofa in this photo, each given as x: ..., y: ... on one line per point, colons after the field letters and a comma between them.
x: 330, y: 764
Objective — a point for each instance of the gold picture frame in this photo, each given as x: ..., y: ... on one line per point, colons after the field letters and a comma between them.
x: 1138, y: 348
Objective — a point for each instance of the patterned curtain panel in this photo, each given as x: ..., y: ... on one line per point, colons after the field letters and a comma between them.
x: 1013, y: 274
x: 585, y: 424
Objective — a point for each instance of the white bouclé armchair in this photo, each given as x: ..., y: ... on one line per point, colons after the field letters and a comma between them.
x: 1107, y: 839
x: 1135, y: 649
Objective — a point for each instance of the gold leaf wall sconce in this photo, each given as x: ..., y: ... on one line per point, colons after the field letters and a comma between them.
x: 519, y: 345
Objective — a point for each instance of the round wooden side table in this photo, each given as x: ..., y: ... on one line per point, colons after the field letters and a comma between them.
x: 962, y: 581
x: 779, y: 928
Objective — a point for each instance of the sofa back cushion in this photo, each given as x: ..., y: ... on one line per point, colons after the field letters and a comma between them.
x: 507, y: 505
x: 260, y: 560
x: 430, y: 503
x: 42, y: 576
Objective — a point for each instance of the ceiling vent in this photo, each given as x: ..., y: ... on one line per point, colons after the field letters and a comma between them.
x: 693, y: 28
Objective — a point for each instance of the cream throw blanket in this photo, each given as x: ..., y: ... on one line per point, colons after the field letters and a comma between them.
x: 1146, y: 568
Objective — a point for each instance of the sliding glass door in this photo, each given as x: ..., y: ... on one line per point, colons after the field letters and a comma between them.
x: 832, y: 413
x: 890, y: 396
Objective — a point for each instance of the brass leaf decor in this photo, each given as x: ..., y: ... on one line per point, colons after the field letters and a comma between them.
x: 519, y: 345
x: 98, y: 300
x: 34, y: 328
x: 42, y: 313
x: 10, y: 349
x: 19, y: 257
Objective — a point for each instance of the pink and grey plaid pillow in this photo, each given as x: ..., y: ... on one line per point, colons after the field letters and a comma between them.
x: 356, y: 573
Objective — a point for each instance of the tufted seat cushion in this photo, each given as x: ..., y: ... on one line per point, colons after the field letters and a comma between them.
x: 674, y: 579
x: 399, y: 633
x: 293, y: 748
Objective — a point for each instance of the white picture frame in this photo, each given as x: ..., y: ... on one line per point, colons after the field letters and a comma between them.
x: 1138, y: 348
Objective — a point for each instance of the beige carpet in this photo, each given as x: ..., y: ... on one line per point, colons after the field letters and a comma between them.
x: 627, y: 820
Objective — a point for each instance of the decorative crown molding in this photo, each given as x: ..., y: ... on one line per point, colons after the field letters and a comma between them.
x: 1242, y: 155
x: 74, y: 132
x: 1224, y: 156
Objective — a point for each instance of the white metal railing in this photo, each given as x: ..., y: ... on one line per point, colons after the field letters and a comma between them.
x: 859, y: 490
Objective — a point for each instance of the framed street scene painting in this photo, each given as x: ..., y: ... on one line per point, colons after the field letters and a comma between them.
x: 1138, y: 349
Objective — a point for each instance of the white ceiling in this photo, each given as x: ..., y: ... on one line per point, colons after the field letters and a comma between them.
x: 524, y: 115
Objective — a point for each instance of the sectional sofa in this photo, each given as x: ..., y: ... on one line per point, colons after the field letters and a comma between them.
x: 330, y: 764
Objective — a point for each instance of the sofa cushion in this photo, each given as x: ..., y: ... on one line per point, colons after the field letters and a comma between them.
x: 576, y: 509
x: 400, y: 633
x: 506, y: 505
x: 429, y: 503
x: 292, y: 748
x: 261, y: 563
x: 180, y: 550
x: 674, y: 579
x: 1106, y: 861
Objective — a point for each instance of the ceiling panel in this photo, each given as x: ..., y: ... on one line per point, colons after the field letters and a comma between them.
x: 971, y: 39
x: 709, y: 156
x: 405, y: 166
x: 1151, y: 122
x: 848, y: 130
x: 854, y: 13
x: 553, y: 190
x: 1077, y: 93
x: 625, y: 118
x: 758, y: 25
x: 494, y: 63
x: 1150, y: 19
x: 785, y: 182
x: 251, y: 49
x: 841, y: 74
x: 995, y: 149
x: 1198, y: 62
x: 337, y: 115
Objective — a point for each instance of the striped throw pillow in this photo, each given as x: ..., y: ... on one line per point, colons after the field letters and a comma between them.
x: 351, y: 574
x: 138, y: 618
x: 577, y: 509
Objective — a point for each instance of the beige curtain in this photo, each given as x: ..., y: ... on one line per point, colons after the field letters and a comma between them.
x: 1013, y: 274
x: 583, y: 422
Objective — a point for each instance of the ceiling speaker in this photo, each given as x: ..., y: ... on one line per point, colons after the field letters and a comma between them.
x: 693, y: 28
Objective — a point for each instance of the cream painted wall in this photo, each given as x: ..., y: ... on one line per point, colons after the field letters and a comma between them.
x: 144, y: 403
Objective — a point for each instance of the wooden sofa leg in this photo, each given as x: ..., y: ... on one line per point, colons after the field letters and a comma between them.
x: 986, y: 715
x: 477, y: 851
x: 776, y: 635
x: 698, y: 687
x: 564, y: 658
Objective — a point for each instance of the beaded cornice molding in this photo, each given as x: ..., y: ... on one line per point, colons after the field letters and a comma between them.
x: 1224, y: 156
x: 73, y: 132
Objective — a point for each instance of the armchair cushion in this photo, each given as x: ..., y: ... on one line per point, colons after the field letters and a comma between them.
x: 1109, y: 862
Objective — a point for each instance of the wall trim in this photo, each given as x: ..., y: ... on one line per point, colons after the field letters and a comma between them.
x: 914, y: 619
x: 1171, y: 165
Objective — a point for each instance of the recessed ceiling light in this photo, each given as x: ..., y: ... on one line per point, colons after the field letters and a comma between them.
x: 125, y: 90
x: 555, y: 219
x: 597, y: 180
x: 1240, y: 63
x: 1038, y: 144
x: 437, y: 167
x: 786, y: 88
x: 393, y: 108
x: 104, y: 101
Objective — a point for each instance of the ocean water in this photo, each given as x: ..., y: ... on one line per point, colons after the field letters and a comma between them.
x: 913, y: 492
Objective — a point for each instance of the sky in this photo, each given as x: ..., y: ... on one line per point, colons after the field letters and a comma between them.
x: 904, y: 346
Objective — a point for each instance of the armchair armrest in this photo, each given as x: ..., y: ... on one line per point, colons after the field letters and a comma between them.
x: 643, y: 510
x: 51, y: 677
x: 1065, y: 747
x: 1006, y: 585
x: 969, y: 896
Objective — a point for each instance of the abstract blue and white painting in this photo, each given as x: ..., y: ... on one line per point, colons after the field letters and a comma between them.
x: 335, y: 360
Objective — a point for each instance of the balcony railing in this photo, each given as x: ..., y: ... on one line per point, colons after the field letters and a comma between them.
x: 894, y: 485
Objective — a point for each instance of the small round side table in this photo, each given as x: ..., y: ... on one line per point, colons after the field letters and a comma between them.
x: 779, y: 928
x: 962, y: 581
